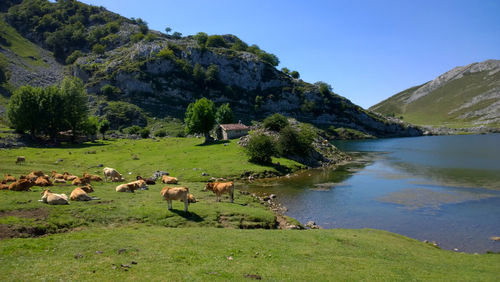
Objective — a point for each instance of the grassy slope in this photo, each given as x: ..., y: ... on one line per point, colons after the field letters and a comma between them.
x: 202, y: 255
x: 137, y: 222
x: 433, y: 109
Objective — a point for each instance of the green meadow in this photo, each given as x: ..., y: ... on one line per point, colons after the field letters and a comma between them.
x: 133, y: 236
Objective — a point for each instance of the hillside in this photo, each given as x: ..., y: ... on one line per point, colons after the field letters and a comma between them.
x: 467, y: 96
x: 156, y: 75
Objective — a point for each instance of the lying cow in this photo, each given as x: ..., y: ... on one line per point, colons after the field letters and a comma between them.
x: 149, y: 181
x: 35, y: 174
x: 92, y: 177
x: 168, y: 179
x: 132, y: 186
x: 176, y: 193
x: 22, y: 185
x: 80, y: 194
x: 54, y: 199
x: 43, y: 181
x: 8, y: 178
x: 68, y: 176
x: 20, y: 159
x: 80, y: 181
x: 56, y: 175
x: 113, y: 174
x: 59, y: 180
x: 220, y: 188
x: 4, y: 186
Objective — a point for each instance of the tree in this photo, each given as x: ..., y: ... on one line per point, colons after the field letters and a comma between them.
x: 224, y: 114
x: 295, y: 142
x: 200, y: 117
x: 98, y: 49
x: 23, y: 109
x: 177, y: 35
x: 285, y: 70
x: 144, y: 133
x: 91, y: 125
x: 199, y: 74
x: 168, y: 30
x: 212, y: 74
x: 75, y: 103
x: 275, y: 122
x: 260, y: 148
x: 216, y: 41
x: 323, y: 88
x: 103, y: 127
x: 201, y: 39
x: 295, y: 74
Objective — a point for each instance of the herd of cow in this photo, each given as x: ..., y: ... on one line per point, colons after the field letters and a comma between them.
x: 38, y: 178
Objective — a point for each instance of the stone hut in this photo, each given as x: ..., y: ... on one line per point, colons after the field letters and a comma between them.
x: 231, y: 131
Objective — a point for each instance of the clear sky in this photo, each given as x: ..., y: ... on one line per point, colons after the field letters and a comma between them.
x: 367, y: 50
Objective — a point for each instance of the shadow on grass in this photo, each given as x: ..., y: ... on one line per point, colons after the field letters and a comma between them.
x: 214, y: 143
x: 191, y: 216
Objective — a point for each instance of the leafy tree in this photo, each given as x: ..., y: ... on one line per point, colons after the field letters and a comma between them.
x: 269, y: 58
x: 91, y: 125
x: 23, y: 109
x: 216, y: 41
x: 73, y: 57
x: 323, y: 88
x: 293, y: 142
x: 134, y: 129
x: 275, y: 122
x: 200, y: 117
x: 285, y: 70
x: 144, y: 133
x: 168, y: 30
x: 239, y: 45
x: 177, y: 35
x: 198, y: 73
x: 260, y: 148
x: 295, y: 74
x: 166, y: 53
x: 52, y: 112
x: 224, y: 114
x: 143, y: 25
x: 110, y: 91
x: 212, y: 75
x: 103, y: 127
x: 201, y: 39
x: 98, y: 49
x: 75, y: 103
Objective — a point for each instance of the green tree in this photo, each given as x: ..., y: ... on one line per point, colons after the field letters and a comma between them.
x: 275, y: 122
x: 295, y: 74
x: 295, y: 142
x: 224, y: 114
x: 23, y: 109
x: 201, y: 39
x: 260, y: 148
x: 144, y: 133
x: 177, y: 35
x: 168, y: 30
x: 51, y: 112
x: 98, y: 49
x: 91, y: 125
x: 212, y: 75
x: 239, y: 45
x: 198, y: 74
x: 285, y: 70
x: 75, y: 103
x: 323, y: 88
x: 216, y: 41
x: 103, y: 127
x: 200, y: 117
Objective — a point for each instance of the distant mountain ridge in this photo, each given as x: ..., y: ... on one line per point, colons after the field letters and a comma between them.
x: 466, y: 96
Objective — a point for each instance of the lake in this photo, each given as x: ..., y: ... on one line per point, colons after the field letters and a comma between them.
x: 436, y: 188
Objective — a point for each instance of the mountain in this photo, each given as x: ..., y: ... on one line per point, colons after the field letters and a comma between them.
x: 134, y: 74
x: 467, y: 96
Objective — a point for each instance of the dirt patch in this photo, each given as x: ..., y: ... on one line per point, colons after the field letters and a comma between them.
x: 8, y: 231
x: 40, y: 213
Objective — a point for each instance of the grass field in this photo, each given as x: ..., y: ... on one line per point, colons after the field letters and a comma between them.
x: 132, y: 236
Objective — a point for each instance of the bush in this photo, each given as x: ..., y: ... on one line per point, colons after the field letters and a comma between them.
x: 134, y: 129
x: 137, y: 37
x: 161, y: 133
x: 166, y: 53
x: 293, y: 142
x: 276, y: 122
x: 260, y: 148
x: 144, y: 133
x: 295, y: 74
x: 98, y: 49
x: 73, y: 57
x: 216, y: 41
x: 201, y: 39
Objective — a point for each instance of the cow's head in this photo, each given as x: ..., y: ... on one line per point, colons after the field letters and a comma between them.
x: 209, y: 186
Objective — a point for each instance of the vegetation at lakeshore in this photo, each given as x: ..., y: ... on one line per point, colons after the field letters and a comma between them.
x: 157, y: 253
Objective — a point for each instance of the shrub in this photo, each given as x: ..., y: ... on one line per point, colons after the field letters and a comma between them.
x: 293, y: 142
x: 216, y: 41
x: 137, y: 37
x: 260, y: 148
x: 134, y: 129
x: 144, y: 133
x: 201, y: 39
x: 295, y: 74
x: 176, y: 35
x: 161, y: 133
x: 275, y: 122
x: 224, y: 114
x: 98, y: 49
x: 166, y: 53
x: 73, y: 57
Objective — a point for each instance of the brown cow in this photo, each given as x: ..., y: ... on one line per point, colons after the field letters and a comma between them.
x: 59, y: 180
x: 176, y: 193
x: 168, y: 179
x: 191, y: 199
x: 22, y: 185
x: 54, y: 199
x: 132, y: 186
x: 20, y: 159
x: 221, y: 187
x: 8, y: 178
x: 35, y: 174
x: 4, y: 186
x: 80, y: 181
x: 149, y: 181
x: 80, y: 194
x: 92, y: 177
x: 43, y: 181
x: 68, y: 176
x: 56, y: 175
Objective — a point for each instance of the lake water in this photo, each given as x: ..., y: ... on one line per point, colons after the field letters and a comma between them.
x: 436, y: 188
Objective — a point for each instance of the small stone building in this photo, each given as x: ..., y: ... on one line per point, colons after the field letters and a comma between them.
x: 231, y: 131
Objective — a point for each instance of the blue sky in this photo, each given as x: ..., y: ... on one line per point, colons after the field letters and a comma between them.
x: 367, y: 50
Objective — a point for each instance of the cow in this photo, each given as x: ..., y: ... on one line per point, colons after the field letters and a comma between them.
x: 80, y: 194
x: 149, y: 181
x: 80, y: 181
x: 168, y: 179
x: 8, y: 178
x: 68, y: 176
x: 43, y: 181
x: 132, y: 186
x: 59, y: 180
x: 22, y: 185
x: 20, y: 159
x: 191, y: 199
x: 221, y: 187
x: 56, y: 175
x: 4, y: 186
x: 92, y: 177
x: 87, y: 188
x: 113, y: 174
x: 176, y: 193
x: 54, y: 199
x: 35, y: 174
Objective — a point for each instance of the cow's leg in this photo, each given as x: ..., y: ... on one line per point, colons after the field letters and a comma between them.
x: 186, y: 202
x: 232, y: 196
x: 169, y: 204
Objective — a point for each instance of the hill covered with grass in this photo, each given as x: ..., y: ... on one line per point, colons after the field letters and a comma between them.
x: 467, y: 96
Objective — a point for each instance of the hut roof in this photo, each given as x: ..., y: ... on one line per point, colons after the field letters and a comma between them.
x: 234, y: 126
